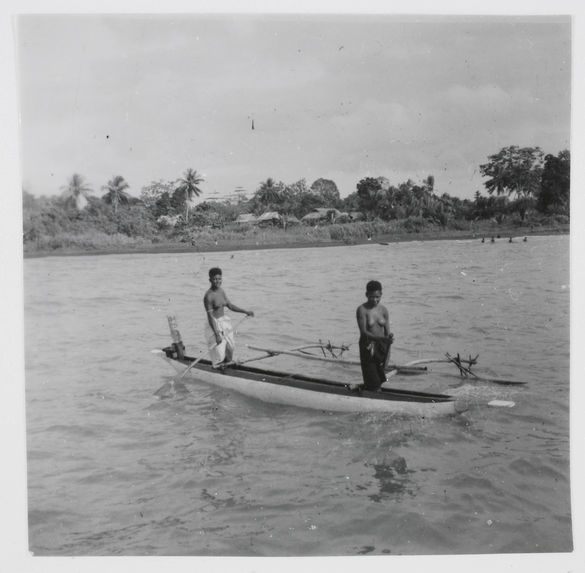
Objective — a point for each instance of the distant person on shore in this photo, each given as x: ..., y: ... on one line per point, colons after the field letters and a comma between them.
x: 219, y: 332
x: 375, y: 337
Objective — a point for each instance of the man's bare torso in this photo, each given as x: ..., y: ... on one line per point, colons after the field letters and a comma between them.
x: 215, y: 301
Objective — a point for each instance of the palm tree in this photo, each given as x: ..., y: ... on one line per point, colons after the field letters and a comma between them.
x: 188, y: 187
x: 429, y: 183
x: 75, y: 190
x: 116, y: 192
x: 268, y: 194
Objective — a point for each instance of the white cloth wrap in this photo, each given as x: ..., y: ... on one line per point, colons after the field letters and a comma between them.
x: 224, y: 327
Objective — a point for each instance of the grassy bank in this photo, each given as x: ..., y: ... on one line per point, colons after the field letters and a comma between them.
x: 233, y: 238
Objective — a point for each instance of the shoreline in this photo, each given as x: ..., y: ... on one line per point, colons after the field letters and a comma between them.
x: 227, y: 246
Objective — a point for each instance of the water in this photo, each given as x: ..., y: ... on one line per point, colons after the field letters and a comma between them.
x: 112, y: 470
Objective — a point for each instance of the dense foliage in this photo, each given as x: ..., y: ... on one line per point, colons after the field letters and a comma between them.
x: 522, y: 185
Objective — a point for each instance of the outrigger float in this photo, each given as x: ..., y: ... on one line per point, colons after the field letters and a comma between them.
x: 312, y: 392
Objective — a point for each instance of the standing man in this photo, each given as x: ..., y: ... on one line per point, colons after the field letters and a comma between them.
x: 219, y: 332
x: 375, y: 337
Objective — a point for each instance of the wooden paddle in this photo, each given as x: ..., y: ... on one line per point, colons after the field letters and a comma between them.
x: 195, y: 362
x: 170, y: 385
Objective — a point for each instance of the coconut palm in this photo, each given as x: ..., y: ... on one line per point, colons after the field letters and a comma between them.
x: 188, y: 187
x: 116, y: 192
x: 268, y: 194
x: 75, y: 190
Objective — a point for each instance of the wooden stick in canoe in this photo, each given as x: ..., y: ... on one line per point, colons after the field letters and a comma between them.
x: 267, y: 355
x: 435, y: 361
x: 296, y: 352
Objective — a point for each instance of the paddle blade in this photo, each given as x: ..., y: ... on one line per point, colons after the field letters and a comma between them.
x: 180, y: 388
x: 165, y: 391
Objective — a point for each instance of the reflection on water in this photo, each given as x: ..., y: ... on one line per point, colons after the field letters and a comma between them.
x: 392, y: 480
x: 112, y: 470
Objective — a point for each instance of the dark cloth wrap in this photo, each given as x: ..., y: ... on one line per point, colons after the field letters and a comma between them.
x: 373, y: 359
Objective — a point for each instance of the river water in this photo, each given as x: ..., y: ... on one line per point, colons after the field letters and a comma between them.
x: 112, y: 470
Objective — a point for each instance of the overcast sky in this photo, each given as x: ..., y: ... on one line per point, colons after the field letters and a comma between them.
x: 343, y: 98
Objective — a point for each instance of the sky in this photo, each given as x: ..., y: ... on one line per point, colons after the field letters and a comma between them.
x: 340, y: 97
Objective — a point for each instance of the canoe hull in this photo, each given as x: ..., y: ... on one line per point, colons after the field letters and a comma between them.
x: 313, y: 393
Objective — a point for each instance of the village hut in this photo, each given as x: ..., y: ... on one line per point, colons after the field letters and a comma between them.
x: 246, y: 218
x: 321, y: 215
x: 269, y: 218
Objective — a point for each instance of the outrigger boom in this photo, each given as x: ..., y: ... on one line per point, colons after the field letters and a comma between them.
x: 299, y: 353
x: 414, y: 367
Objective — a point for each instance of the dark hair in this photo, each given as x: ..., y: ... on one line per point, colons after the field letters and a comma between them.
x: 373, y: 285
x: 214, y: 271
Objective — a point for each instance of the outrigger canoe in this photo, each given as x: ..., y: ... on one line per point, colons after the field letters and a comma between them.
x: 308, y: 391
x: 279, y: 387
x: 302, y: 391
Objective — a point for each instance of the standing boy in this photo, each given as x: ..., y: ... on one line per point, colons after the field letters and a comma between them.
x: 375, y: 337
x: 219, y: 332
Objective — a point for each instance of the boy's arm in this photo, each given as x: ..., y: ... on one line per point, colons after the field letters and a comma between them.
x: 387, y: 325
x: 235, y: 308
x: 361, y: 320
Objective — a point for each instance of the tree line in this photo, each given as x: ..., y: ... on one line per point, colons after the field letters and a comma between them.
x: 521, y: 183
